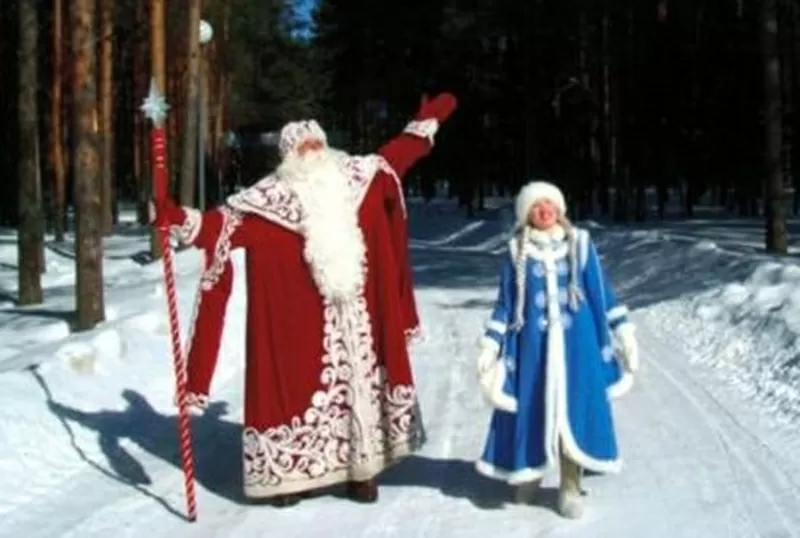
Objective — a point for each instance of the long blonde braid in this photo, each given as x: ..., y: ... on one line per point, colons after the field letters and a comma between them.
x: 519, y: 312
x: 574, y: 291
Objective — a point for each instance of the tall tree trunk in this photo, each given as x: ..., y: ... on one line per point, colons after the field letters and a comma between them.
x: 607, y: 136
x: 31, y: 222
x: 141, y: 70
x: 794, y: 11
x: 158, y: 71
x: 190, y: 127
x: 221, y: 95
x: 106, y: 111
x: 88, y: 185
x: 57, y: 162
x: 777, y: 236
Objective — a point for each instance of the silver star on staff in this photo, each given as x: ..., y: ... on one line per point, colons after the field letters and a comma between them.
x: 155, y: 105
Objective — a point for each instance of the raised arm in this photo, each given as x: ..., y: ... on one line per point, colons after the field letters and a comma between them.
x: 416, y: 141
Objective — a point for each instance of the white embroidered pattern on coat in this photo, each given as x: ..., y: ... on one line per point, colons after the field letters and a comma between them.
x: 275, y: 201
x: 231, y: 219
x: 355, y: 419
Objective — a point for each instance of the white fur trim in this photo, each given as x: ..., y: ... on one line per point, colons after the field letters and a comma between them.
x: 556, y: 415
x: 625, y: 334
x: 616, y: 313
x: 546, y: 237
x: 487, y: 343
x: 535, y: 191
x: 514, y: 478
x: 188, y: 231
x: 492, y: 372
x: 496, y: 326
x: 621, y: 387
x: 423, y: 128
x: 492, y: 379
x: 535, y: 251
x: 584, y: 242
x: 486, y: 359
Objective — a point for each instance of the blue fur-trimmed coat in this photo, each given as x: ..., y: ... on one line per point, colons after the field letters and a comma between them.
x: 560, y: 369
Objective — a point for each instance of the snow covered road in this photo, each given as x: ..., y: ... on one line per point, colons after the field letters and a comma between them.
x: 89, y: 454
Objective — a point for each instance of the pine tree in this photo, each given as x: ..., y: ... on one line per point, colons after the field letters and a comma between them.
x: 777, y: 235
x: 31, y: 223
x: 88, y: 186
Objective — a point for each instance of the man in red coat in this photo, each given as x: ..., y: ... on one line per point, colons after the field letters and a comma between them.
x: 329, y: 392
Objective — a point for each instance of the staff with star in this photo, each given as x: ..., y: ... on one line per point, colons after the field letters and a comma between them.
x: 155, y: 109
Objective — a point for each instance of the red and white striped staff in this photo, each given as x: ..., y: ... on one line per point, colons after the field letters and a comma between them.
x: 155, y: 109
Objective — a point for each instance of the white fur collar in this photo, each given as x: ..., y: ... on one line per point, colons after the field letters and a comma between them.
x: 547, y: 237
x: 541, y: 244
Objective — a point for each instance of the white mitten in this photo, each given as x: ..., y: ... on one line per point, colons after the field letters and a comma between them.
x: 487, y: 357
x: 626, y: 337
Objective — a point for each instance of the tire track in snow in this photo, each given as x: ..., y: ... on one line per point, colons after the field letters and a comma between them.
x: 438, y: 400
x: 737, y: 443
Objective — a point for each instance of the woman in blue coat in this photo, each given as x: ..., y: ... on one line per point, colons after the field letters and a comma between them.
x: 557, y: 348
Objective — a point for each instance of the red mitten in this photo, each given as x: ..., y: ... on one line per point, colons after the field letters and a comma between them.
x: 438, y: 108
x: 165, y: 213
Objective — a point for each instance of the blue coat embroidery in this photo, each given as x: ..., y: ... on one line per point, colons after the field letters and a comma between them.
x: 561, y: 368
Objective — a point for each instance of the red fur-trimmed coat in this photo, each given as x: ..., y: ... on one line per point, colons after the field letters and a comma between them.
x: 329, y: 393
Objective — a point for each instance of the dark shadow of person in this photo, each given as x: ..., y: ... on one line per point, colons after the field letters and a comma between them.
x: 216, y: 443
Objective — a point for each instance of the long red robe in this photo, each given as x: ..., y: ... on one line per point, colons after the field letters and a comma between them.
x: 329, y: 393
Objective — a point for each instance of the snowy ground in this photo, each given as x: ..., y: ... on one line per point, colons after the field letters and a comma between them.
x: 709, y: 433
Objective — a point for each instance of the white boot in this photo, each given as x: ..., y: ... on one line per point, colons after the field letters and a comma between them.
x: 526, y: 493
x: 570, y: 502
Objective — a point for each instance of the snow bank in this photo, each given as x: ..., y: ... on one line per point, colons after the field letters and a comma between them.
x: 738, y: 311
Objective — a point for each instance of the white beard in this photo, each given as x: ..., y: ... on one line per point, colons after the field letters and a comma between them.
x: 334, y: 244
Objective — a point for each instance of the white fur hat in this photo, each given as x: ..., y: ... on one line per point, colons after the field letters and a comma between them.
x: 295, y: 132
x: 532, y: 193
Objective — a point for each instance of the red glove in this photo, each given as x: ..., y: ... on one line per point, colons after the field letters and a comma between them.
x: 438, y: 108
x: 165, y: 213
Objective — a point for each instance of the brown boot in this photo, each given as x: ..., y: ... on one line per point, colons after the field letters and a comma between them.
x: 363, y: 492
x: 283, y: 501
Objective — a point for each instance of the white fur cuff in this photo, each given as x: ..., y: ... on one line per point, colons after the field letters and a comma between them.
x: 423, y: 128
x: 187, y: 232
x: 488, y: 344
x: 492, y: 380
x: 626, y: 336
x: 621, y: 387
